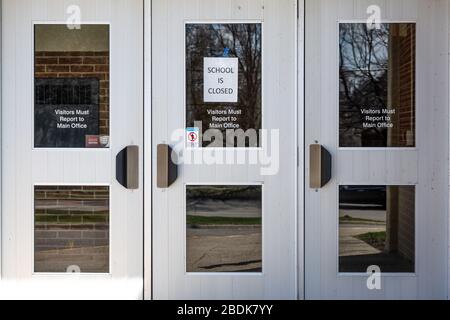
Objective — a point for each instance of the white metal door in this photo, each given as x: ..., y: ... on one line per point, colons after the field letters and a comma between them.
x: 63, y: 209
x: 369, y: 66
x: 224, y: 230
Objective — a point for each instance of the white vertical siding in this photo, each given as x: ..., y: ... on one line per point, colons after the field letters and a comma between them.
x: 147, y: 150
x: 0, y: 141
x: 448, y: 238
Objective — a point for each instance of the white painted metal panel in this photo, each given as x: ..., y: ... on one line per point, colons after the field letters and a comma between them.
x: 1, y: 194
x: 279, y: 278
x: 25, y: 166
x: 448, y: 235
x: 301, y: 155
x: 425, y: 166
x: 148, y: 161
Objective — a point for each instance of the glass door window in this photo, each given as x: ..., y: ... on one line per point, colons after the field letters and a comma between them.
x: 71, y: 86
x: 377, y: 74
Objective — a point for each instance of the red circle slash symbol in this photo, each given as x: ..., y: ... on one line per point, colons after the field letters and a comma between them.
x: 192, y: 137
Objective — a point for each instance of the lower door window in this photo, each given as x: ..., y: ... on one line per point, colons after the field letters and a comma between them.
x: 71, y: 229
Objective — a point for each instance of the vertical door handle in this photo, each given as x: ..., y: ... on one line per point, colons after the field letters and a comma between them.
x: 320, y: 166
x: 167, y: 171
x: 127, y: 167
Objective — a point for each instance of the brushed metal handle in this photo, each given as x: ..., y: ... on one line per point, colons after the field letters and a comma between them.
x: 320, y: 166
x: 167, y: 171
x: 127, y: 167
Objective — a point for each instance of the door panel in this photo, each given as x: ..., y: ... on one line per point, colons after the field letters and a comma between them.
x: 224, y: 230
x: 386, y: 203
x: 63, y: 128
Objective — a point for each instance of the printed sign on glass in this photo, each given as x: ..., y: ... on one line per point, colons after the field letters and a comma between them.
x: 220, y: 80
x: 224, y: 83
x: 192, y: 137
x: 66, y: 112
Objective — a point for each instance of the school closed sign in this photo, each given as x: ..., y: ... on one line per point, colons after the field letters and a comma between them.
x: 221, y: 80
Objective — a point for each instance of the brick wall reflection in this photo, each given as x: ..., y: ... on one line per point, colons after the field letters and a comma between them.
x: 71, y: 228
x: 79, y: 64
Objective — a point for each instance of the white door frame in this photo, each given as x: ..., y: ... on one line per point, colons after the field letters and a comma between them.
x: 301, y: 148
x: 1, y: 137
x: 148, y: 160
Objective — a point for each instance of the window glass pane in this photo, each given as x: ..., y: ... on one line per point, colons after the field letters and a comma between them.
x: 224, y: 228
x: 223, y: 85
x: 377, y: 228
x: 71, y: 229
x: 377, y: 85
x: 71, y: 107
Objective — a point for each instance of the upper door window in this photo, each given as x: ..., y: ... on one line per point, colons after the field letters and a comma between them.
x: 71, y: 87
x: 223, y: 85
x: 377, y: 85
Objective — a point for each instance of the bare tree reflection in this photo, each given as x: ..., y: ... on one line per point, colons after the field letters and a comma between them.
x: 363, y: 80
x: 372, y: 63
x: 212, y: 40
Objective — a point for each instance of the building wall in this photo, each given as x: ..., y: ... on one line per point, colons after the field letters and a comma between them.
x: 406, y: 222
x: 402, y: 93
